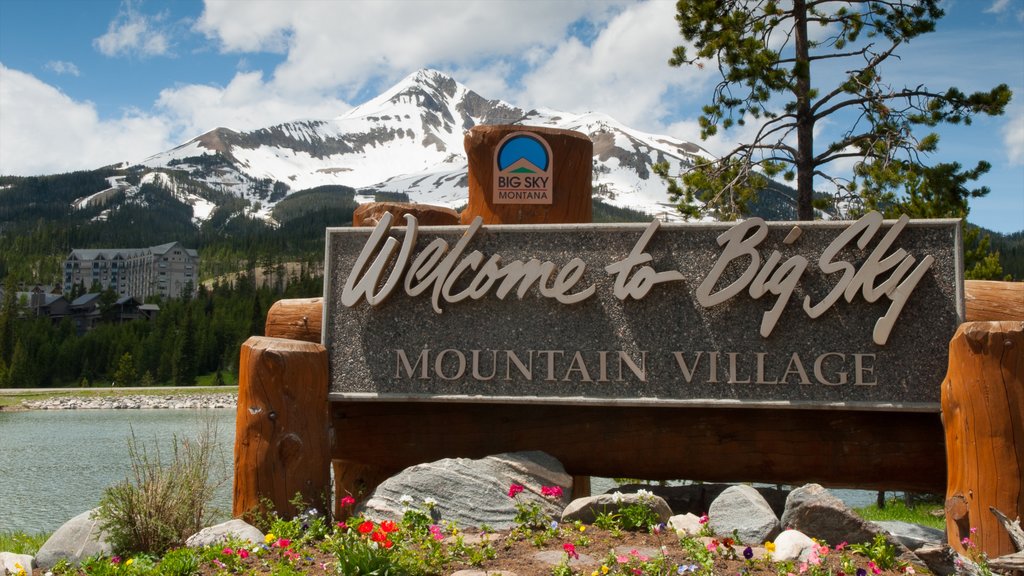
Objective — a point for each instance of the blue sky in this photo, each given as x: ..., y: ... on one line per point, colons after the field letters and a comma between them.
x: 85, y: 83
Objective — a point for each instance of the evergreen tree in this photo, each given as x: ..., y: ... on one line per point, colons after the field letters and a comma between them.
x: 185, y: 369
x: 125, y: 375
x: 21, y: 373
x: 770, y: 65
x: 8, y: 313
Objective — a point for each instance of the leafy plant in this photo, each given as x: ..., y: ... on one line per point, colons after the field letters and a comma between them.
x: 160, y: 504
x: 879, y: 551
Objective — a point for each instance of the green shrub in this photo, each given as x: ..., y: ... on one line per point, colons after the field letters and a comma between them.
x: 160, y: 505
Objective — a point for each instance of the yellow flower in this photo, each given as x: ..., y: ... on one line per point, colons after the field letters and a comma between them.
x: 129, y: 562
x: 269, y: 538
x: 769, y: 546
x: 583, y: 528
x: 605, y: 569
x: 594, y: 573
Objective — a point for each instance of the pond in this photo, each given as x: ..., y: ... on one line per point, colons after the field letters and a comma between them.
x: 55, y: 464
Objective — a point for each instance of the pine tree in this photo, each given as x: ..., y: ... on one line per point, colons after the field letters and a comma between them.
x: 770, y: 63
x: 125, y: 375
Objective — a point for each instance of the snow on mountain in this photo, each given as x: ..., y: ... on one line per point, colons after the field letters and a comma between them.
x: 409, y: 139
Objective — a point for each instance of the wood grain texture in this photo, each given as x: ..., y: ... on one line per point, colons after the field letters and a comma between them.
x: 572, y: 157
x: 281, y: 438
x: 296, y: 319
x: 991, y: 300
x: 983, y: 412
x: 369, y: 214
x: 836, y: 448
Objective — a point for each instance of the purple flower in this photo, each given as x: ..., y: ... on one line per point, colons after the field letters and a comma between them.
x: 748, y: 553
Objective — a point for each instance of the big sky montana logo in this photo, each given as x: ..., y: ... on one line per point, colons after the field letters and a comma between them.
x: 523, y: 170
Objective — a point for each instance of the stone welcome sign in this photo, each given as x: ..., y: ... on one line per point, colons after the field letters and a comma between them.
x: 854, y: 315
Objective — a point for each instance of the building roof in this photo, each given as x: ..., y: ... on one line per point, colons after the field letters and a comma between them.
x: 86, y: 299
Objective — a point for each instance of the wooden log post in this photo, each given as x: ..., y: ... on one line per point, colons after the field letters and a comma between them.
x: 282, y: 439
x: 983, y: 415
x: 572, y: 155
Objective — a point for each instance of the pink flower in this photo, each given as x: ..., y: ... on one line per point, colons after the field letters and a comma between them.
x: 841, y: 546
x: 712, y: 546
x: 435, y: 531
x: 243, y: 553
x: 813, y: 558
x: 974, y: 529
x: 282, y: 543
x: 347, y: 501
x: 514, y: 489
x: 291, y: 555
x: 551, y: 491
x: 874, y: 568
x: 219, y: 563
x: 703, y: 519
x: 622, y: 559
x: 570, y: 550
x: 227, y: 551
x: 115, y: 560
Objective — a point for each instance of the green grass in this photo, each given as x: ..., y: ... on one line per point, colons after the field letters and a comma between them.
x: 918, y: 513
x: 21, y: 543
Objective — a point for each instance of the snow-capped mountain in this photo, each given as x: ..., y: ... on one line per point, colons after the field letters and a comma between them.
x: 410, y: 140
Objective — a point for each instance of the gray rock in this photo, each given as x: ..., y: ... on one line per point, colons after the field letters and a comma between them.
x: 792, y: 545
x: 77, y: 539
x: 11, y: 563
x: 232, y: 529
x: 587, y: 509
x: 816, y: 512
x: 697, y: 498
x: 913, y: 536
x: 939, y: 558
x: 742, y: 509
x: 685, y: 524
x: 473, y: 493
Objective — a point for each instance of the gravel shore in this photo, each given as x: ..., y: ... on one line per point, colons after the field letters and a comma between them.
x: 135, y: 402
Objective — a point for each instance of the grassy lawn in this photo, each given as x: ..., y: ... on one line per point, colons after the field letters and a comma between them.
x: 918, y: 513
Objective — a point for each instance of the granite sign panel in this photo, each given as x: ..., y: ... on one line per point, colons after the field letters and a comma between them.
x: 854, y: 315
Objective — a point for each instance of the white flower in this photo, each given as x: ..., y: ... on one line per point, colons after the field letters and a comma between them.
x: 405, y: 500
x: 429, y: 502
x: 644, y: 494
x: 617, y: 497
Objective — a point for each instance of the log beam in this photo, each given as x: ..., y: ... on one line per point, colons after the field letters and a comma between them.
x: 282, y: 436
x: 983, y: 412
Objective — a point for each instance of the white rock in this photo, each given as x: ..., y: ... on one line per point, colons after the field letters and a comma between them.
x: 11, y: 563
x: 792, y: 545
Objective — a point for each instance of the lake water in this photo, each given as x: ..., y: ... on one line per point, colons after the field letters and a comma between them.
x: 55, y: 464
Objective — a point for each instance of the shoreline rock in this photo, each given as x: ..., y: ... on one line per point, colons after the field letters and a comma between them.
x: 136, y: 402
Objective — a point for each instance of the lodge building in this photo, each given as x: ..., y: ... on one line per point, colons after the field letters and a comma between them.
x: 165, y: 270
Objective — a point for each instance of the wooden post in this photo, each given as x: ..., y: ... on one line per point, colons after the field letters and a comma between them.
x: 572, y: 155
x: 282, y: 440
x: 983, y: 414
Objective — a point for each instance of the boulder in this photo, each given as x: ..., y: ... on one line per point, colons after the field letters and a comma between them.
x: 685, y: 524
x: 697, y: 498
x: 913, y: 536
x: 77, y: 539
x: 473, y: 493
x: 940, y: 559
x: 742, y: 509
x: 587, y: 509
x: 15, y: 564
x: 232, y: 529
x: 792, y: 545
x: 816, y: 512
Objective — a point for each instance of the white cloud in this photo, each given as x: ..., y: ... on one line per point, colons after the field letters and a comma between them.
x: 246, y: 103
x: 61, y: 67
x: 134, y: 34
x: 623, y: 73
x: 43, y: 131
x: 998, y: 6
x: 1013, y: 135
x: 345, y: 46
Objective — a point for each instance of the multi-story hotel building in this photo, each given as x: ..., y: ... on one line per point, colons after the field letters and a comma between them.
x: 165, y: 270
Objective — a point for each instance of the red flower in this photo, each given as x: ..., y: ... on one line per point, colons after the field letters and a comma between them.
x: 347, y: 501
x: 388, y: 526
x: 366, y: 527
x: 378, y: 536
x: 227, y: 551
x: 514, y: 489
x: 388, y: 544
x: 243, y: 553
x: 570, y: 550
x: 283, y: 543
x: 551, y: 491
